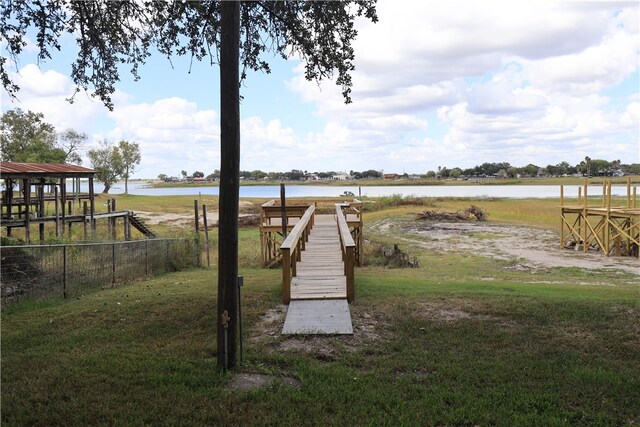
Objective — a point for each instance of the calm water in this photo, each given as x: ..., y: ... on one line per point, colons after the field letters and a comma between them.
x: 273, y: 191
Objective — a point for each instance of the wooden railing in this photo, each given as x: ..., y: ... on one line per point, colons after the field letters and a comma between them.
x: 292, y: 248
x: 348, y: 248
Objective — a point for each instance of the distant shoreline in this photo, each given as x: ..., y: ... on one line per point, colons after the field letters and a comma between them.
x: 635, y: 179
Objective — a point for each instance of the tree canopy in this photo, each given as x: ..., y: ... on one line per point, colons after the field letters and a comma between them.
x: 110, y: 34
x: 107, y: 162
x: 130, y: 157
x: 26, y: 138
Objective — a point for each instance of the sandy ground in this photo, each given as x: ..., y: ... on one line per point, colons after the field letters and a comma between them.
x: 532, y: 247
x: 183, y: 219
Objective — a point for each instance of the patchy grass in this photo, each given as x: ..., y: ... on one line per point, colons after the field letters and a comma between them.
x: 425, y: 352
x: 463, y: 340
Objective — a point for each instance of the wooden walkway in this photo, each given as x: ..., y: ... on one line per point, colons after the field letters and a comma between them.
x: 320, y: 272
x: 318, y: 278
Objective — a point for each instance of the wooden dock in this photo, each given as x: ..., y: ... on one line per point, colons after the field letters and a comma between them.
x: 318, y: 274
x: 320, y: 271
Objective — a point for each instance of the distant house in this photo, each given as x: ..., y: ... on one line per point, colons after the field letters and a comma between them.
x: 391, y: 176
x: 341, y: 176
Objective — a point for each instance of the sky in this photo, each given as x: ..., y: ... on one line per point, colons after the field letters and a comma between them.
x: 437, y: 84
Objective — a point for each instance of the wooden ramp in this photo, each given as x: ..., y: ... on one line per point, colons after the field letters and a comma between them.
x: 320, y: 272
x: 320, y: 276
x: 318, y: 317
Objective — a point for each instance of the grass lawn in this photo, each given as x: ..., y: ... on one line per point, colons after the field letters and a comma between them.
x: 438, y: 345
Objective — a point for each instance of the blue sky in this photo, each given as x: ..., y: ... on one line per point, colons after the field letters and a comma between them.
x: 436, y: 84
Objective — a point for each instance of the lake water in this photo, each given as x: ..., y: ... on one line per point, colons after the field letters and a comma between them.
x: 273, y: 191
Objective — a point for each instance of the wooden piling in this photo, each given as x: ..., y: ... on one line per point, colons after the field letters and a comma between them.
x: 562, y: 217
x: 41, y: 209
x: 57, y: 207
x: 584, y: 216
x: 26, y: 188
x: 93, y: 208
x: 113, y: 221
x: 85, y: 210
x: 197, y: 231
x: 206, y: 234
x: 63, y: 203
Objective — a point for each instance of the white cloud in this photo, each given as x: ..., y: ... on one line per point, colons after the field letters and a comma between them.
x: 436, y: 83
x: 525, y: 76
x: 173, y: 133
x: 47, y: 91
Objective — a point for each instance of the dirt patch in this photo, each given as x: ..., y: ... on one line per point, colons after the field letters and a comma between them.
x: 532, y: 248
x: 252, y: 381
x: 368, y: 327
x: 182, y: 220
x: 451, y: 311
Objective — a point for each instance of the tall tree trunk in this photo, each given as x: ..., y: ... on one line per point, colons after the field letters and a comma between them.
x: 107, y: 187
x: 229, y: 184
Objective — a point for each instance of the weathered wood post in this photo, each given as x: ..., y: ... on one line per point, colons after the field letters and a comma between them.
x: 85, y: 210
x: 63, y: 203
x: 206, y: 233
x: 41, y: 209
x: 127, y: 227
x: 196, y: 231
x: 57, y: 207
x: 93, y: 208
x: 349, y: 264
x: 114, y: 229
x: 286, y: 275
x: 26, y: 189
x: 562, y: 219
x: 70, y: 206
x: 584, y: 216
x: 9, y: 203
x: 283, y: 211
x: 608, y: 225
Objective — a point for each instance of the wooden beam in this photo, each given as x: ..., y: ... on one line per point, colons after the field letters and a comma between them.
x: 26, y: 188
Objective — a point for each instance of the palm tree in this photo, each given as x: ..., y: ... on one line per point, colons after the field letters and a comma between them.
x: 587, y: 160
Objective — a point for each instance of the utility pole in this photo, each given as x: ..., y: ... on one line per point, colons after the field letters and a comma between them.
x: 227, y: 318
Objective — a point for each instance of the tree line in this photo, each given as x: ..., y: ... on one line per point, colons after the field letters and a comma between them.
x: 588, y: 167
x: 25, y: 137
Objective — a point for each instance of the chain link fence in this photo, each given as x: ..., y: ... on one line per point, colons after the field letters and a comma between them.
x: 66, y: 271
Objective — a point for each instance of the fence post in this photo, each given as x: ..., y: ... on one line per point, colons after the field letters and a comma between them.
x: 64, y: 271
x: 113, y: 220
x: 206, y: 233
x: 197, y: 232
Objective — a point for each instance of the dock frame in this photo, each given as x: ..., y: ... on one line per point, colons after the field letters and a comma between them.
x: 614, y: 230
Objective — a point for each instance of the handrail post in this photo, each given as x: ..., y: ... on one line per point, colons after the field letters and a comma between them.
x: 286, y: 275
x: 349, y: 263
